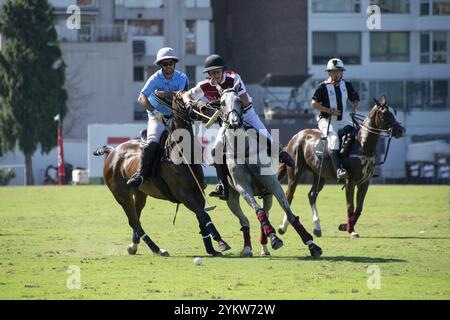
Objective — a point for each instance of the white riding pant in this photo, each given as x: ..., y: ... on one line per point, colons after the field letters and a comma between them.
x: 155, y: 128
x: 335, y: 126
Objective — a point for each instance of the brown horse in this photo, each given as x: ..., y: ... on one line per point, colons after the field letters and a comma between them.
x: 359, y: 164
x: 170, y: 181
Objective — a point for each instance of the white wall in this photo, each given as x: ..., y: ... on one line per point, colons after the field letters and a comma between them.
x: 74, y: 153
x: 98, y: 135
x: 99, y: 81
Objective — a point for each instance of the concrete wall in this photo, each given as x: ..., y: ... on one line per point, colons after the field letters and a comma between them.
x: 99, y: 78
x: 74, y: 153
x: 258, y: 37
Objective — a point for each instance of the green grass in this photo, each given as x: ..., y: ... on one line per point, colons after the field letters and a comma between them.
x: 405, y: 232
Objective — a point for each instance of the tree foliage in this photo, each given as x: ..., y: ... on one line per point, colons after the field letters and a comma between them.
x: 32, y: 77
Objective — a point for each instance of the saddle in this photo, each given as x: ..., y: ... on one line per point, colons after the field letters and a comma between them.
x: 163, y: 156
x: 346, y: 138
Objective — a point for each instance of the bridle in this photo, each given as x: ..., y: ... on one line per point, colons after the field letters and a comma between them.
x: 227, y: 115
x: 360, y: 121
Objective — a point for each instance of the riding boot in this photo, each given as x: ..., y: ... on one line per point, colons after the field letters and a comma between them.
x: 346, y: 143
x: 286, y: 158
x: 221, y: 190
x: 148, y: 156
x: 283, y: 156
x: 341, y: 173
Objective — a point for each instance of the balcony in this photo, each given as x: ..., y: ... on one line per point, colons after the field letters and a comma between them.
x: 92, y: 33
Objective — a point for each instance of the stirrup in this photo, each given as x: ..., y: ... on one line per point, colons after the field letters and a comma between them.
x: 219, y: 192
x: 341, y: 175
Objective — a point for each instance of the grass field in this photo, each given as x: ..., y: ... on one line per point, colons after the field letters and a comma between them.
x: 47, y: 231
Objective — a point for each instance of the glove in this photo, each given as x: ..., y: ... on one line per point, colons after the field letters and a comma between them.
x: 189, y: 110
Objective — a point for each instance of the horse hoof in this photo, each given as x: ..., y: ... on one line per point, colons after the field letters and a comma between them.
x: 246, y: 252
x: 317, y: 233
x: 354, y: 235
x: 315, y: 250
x: 132, y: 249
x: 264, y: 253
x: 276, y: 242
x: 224, y: 246
x: 281, y: 230
x: 163, y: 253
x: 342, y: 227
x: 216, y: 254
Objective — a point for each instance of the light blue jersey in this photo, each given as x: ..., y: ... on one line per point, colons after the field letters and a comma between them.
x: 158, y: 82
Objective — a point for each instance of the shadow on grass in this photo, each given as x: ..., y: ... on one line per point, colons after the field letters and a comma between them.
x: 408, y: 238
x: 309, y: 258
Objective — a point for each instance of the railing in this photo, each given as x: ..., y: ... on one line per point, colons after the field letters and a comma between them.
x: 93, y: 33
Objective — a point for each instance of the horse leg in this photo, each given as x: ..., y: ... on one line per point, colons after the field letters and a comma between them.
x: 360, y: 196
x: 294, y: 175
x: 312, y: 197
x: 139, y: 202
x: 247, y: 194
x: 349, y: 195
x: 207, y: 228
x: 275, y: 188
x: 267, y: 205
x: 233, y: 204
x: 129, y: 207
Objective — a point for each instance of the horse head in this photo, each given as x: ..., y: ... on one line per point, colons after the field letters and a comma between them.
x: 383, y: 119
x: 232, y: 107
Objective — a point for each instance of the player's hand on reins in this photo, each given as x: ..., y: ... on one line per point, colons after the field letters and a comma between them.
x: 335, y: 112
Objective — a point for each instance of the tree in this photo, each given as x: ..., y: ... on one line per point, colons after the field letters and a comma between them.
x: 32, y: 77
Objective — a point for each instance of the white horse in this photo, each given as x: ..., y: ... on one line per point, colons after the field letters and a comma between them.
x: 255, y: 177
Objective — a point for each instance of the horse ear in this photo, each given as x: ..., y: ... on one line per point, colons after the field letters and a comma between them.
x: 383, y: 100
x: 377, y: 103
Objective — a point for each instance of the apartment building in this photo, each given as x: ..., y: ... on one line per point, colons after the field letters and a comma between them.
x: 407, y: 59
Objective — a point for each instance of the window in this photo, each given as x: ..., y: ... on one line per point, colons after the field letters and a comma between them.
x: 441, y: 7
x: 336, y: 6
x: 427, y: 94
x: 394, y: 91
x: 389, y: 46
x: 197, y: 3
x: 345, y: 45
x: 433, y: 47
x: 389, y: 6
x: 145, y: 27
x: 85, y: 32
x: 138, y: 74
x: 437, y: 7
x: 190, y: 36
x: 439, y: 94
x: 191, y: 74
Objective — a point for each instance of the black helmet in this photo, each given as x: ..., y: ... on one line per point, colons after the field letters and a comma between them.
x: 214, y: 61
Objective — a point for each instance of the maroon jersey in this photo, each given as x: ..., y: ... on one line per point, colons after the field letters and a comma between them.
x: 207, y: 92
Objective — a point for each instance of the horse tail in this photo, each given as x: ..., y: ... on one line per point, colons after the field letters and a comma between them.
x: 103, y: 150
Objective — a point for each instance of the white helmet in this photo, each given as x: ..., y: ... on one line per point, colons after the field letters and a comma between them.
x: 335, y: 64
x: 165, y: 54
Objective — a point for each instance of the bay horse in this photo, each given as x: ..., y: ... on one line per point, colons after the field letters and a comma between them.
x: 170, y: 181
x: 247, y: 178
x: 360, y: 163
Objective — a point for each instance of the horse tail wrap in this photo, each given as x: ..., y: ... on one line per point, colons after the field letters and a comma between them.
x: 103, y: 150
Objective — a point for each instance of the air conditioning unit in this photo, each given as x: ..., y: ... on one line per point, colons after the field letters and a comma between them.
x: 139, y: 47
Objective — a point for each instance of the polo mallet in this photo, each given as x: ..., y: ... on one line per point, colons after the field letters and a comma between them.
x: 211, y: 119
x: 209, y: 207
x: 323, y: 156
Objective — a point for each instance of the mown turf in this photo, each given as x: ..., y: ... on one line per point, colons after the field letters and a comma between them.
x: 405, y: 233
